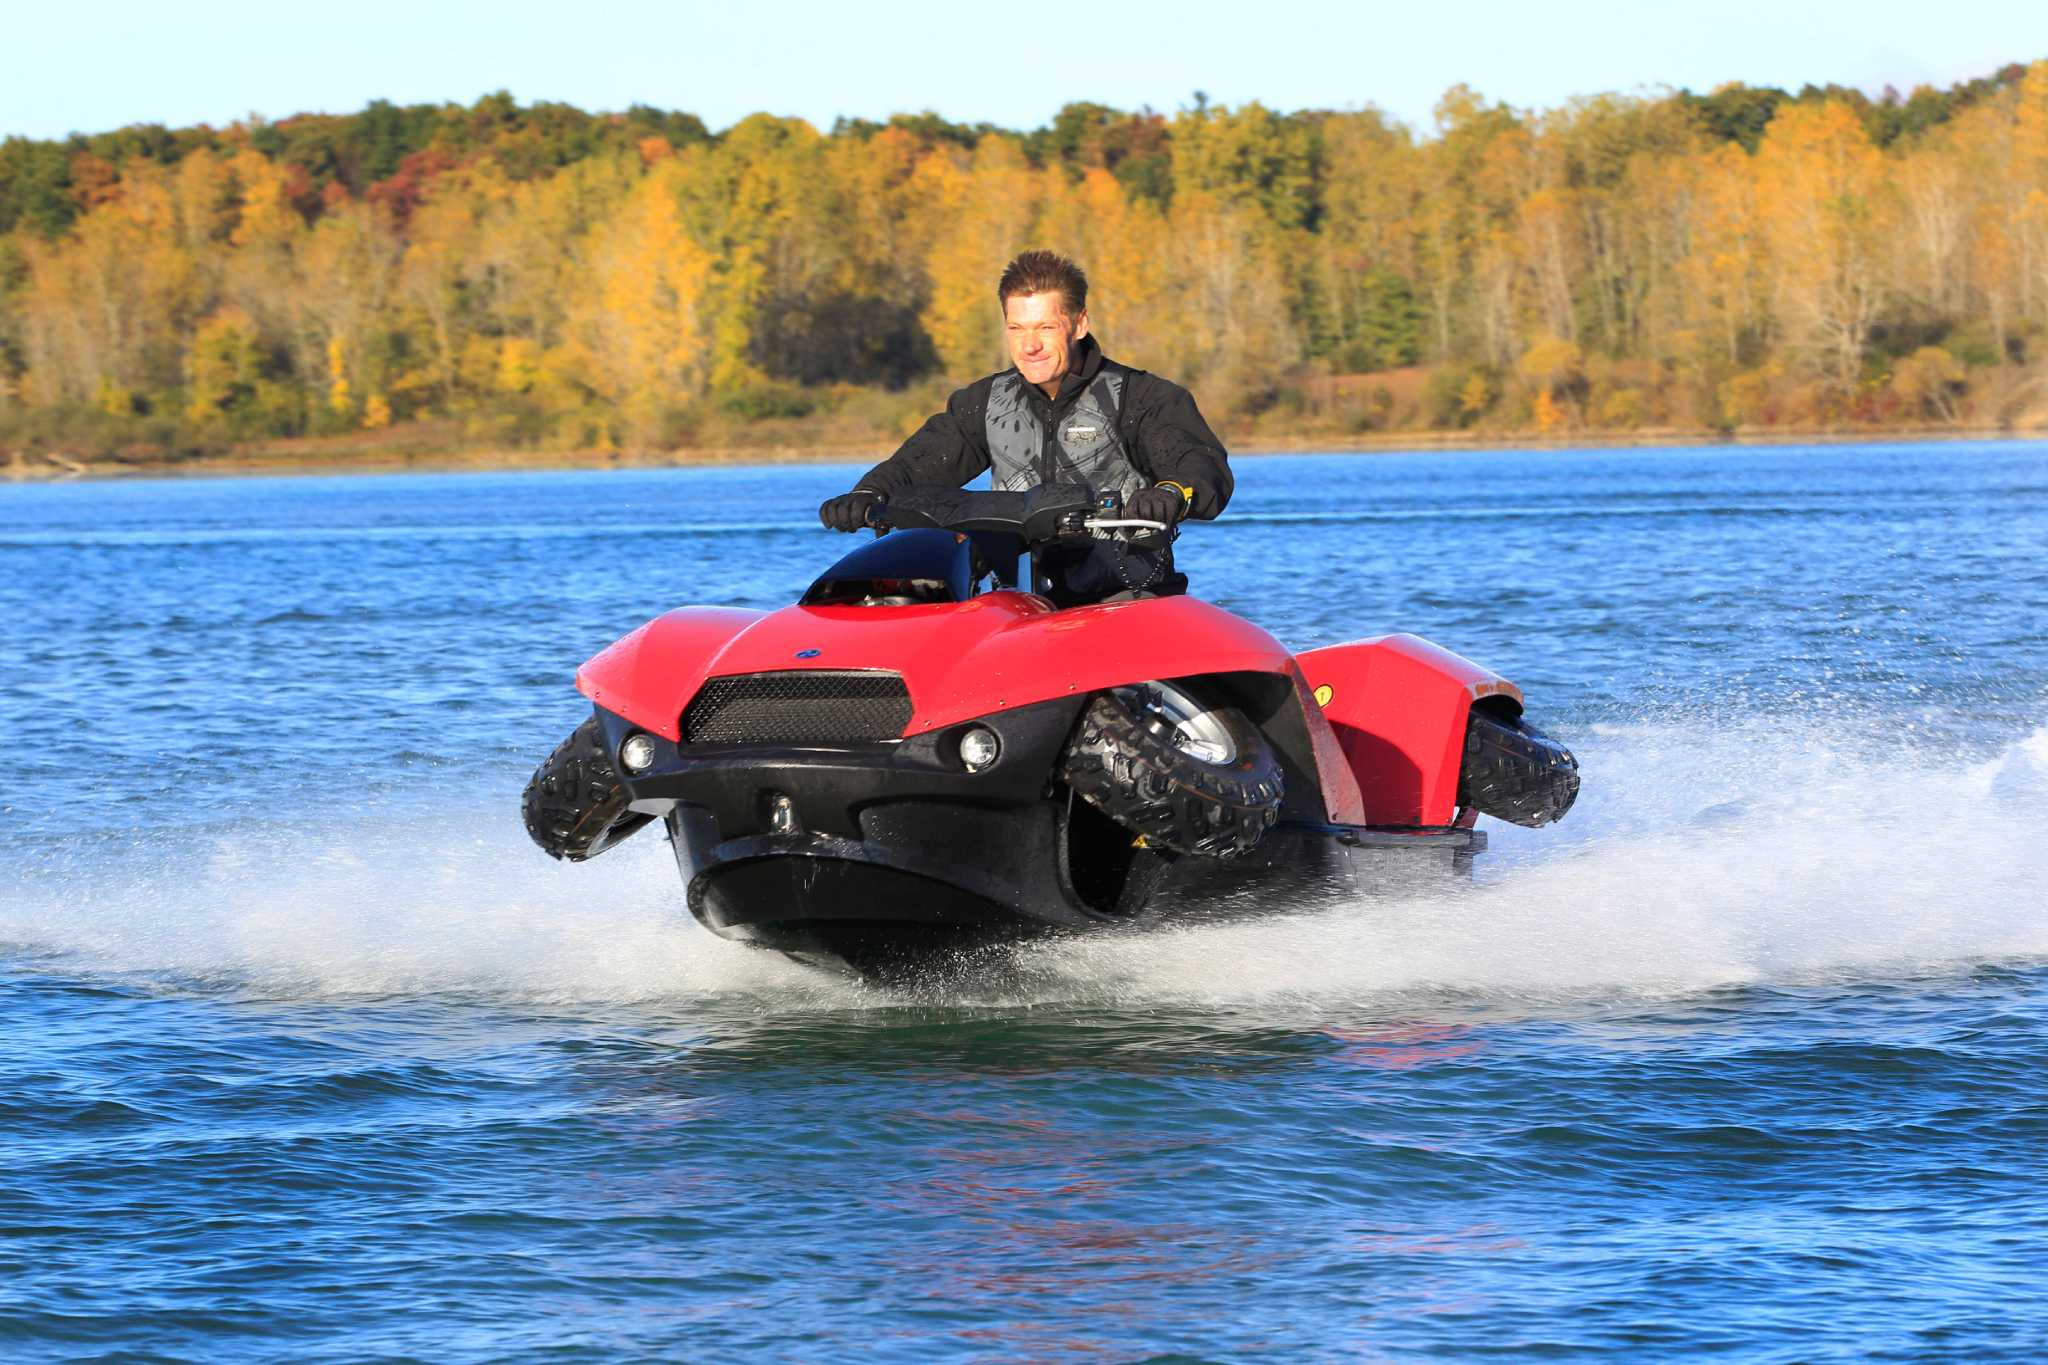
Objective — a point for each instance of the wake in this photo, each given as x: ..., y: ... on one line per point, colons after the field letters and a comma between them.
x: 1765, y: 852
x: 1766, y: 856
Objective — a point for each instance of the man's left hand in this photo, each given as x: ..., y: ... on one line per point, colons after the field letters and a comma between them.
x: 1160, y: 504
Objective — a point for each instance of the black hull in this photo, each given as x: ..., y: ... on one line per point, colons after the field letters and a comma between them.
x: 895, y: 906
x: 875, y: 856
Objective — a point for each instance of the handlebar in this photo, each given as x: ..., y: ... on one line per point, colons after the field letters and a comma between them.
x: 1111, y: 523
x: 879, y: 519
x: 1036, y: 516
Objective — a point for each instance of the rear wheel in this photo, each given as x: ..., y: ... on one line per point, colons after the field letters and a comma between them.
x: 1175, y: 771
x: 575, y: 806
x: 1513, y: 771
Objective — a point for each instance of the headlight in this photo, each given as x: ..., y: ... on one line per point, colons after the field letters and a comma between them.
x: 637, y: 754
x: 978, y: 748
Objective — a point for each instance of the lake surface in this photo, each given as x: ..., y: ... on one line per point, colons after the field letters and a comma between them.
x: 306, y: 1053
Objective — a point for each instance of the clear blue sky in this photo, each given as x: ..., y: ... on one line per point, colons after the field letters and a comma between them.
x: 92, y: 65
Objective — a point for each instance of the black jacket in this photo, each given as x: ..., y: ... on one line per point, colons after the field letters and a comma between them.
x: 1163, y: 431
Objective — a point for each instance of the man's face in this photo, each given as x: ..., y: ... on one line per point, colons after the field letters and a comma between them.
x: 1041, y: 335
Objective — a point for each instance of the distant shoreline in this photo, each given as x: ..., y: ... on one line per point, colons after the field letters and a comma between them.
x: 43, y: 467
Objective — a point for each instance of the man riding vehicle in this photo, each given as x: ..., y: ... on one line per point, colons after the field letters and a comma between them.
x: 1065, y: 414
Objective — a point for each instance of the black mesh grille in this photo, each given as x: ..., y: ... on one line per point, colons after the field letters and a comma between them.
x: 797, y: 707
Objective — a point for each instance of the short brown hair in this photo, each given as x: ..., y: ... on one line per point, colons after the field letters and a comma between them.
x: 1041, y: 272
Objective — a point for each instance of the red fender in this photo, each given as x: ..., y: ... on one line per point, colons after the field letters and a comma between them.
x: 993, y: 652
x: 1398, y: 706
x: 640, y: 675
x: 1087, y: 649
x: 958, y: 659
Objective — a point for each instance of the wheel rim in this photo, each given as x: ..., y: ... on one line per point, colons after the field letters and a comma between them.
x: 1197, y: 731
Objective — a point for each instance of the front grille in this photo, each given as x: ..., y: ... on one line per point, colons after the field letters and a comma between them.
x: 802, y: 706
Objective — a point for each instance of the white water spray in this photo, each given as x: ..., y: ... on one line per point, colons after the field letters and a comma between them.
x: 1757, y: 852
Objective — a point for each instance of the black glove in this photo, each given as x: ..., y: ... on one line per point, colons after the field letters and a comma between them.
x: 1157, y: 504
x: 848, y: 511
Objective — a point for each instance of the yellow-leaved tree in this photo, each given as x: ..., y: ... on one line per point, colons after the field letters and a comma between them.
x: 105, y: 309
x: 433, y: 272
x: 342, y: 277
x: 220, y: 366
x: 2028, y: 177
x: 984, y: 210
x: 1827, y: 211
x: 1232, y: 334
x: 1129, y: 265
x: 1723, y: 269
x: 636, y: 323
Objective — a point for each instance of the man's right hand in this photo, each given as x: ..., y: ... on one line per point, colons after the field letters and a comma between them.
x: 848, y: 511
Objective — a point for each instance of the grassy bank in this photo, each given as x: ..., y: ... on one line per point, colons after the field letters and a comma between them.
x: 1445, y: 406
x: 423, y: 448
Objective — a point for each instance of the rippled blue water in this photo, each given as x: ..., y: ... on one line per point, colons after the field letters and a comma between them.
x: 306, y: 1053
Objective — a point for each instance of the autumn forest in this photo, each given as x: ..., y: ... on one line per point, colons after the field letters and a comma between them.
x: 507, y: 277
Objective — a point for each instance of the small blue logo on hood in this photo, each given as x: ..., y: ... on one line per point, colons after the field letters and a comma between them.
x: 809, y: 653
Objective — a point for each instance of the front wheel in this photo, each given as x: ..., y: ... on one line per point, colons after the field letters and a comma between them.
x: 1513, y: 771
x: 575, y: 806
x: 1176, y: 772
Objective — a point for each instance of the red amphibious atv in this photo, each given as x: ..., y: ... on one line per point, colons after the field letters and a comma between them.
x: 919, y: 755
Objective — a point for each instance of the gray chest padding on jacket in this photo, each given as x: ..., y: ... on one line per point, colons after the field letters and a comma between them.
x: 1086, y: 449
